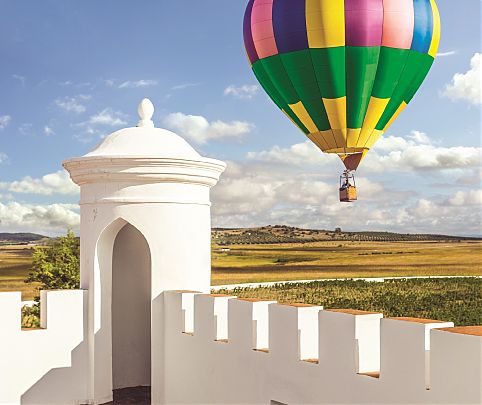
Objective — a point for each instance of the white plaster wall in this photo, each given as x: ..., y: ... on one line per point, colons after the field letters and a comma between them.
x: 178, y: 236
x: 131, y: 310
x: 206, y: 370
x: 44, y: 366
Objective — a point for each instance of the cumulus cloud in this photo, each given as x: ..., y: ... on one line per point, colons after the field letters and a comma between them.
x: 44, y: 219
x: 416, y: 152
x: 305, y: 153
x: 107, y: 117
x: 136, y: 84
x: 50, y: 184
x: 246, y: 91
x: 466, y: 198
x: 413, y: 152
x: 4, y: 121
x: 254, y: 193
x: 200, y: 130
x: 73, y: 104
x: 466, y: 86
x: 298, y: 186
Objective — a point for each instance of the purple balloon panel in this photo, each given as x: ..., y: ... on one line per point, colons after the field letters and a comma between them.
x: 289, y: 25
x: 364, y: 22
x: 248, y: 35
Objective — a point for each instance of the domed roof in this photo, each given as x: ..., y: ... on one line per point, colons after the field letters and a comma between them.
x: 143, y: 155
x: 145, y: 141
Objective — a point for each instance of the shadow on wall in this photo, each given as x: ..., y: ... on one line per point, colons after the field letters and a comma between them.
x: 127, y: 252
x: 61, y: 384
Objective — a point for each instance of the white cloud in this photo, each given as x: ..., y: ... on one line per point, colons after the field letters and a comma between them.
x: 3, y: 157
x: 466, y: 198
x: 298, y: 186
x: 50, y: 184
x: 448, y: 53
x: 466, y: 86
x: 138, y: 84
x: 94, y: 126
x: 44, y: 219
x: 184, y: 86
x: 246, y: 91
x: 107, y: 117
x: 414, y: 152
x: 257, y: 193
x: 73, y: 104
x: 298, y: 154
x: 4, y: 121
x: 200, y: 130
x: 417, y: 153
x: 48, y: 131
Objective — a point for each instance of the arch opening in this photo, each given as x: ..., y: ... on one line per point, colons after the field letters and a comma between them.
x: 131, y: 309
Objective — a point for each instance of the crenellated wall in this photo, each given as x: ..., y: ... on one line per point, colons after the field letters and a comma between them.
x: 46, y: 365
x: 145, y: 226
x: 224, y: 350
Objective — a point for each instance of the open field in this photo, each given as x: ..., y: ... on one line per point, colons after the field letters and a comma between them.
x: 15, y: 261
x: 300, y: 261
x: 344, y: 259
x: 457, y: 300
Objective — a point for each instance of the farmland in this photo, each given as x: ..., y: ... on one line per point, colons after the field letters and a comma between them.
x: 282, y: 253
x: 457, y: 300
x: 344, y: 259
x: 15, y: 261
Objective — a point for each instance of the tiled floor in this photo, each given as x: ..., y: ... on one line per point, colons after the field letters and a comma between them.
x: 129, y: 396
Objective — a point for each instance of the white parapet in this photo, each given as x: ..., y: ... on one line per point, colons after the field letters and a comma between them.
x: 261, y: 352
x: 47, y: 365
x: 456, y: 365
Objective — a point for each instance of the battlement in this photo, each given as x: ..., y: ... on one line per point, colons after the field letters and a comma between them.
x: 31, y: 359
x: 230, y: 350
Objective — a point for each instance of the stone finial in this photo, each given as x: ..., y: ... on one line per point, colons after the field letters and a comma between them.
x: 145, y: 111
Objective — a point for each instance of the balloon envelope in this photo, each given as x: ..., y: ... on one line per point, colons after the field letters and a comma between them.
x: 342, y: 70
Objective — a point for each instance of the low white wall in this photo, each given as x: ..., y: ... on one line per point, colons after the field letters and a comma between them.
x: 48, y: 365
x: 223, y: 350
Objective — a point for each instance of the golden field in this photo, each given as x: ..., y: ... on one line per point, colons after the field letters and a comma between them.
x: 345, y: 259
x: 299, y: 261
x: 15, y: 261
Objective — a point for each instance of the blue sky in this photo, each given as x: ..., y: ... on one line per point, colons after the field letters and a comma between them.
x: 73, y: 72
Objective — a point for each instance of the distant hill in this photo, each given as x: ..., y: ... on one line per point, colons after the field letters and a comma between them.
x: 273, y: 234
x: 287, y: 234
x: 20, y: 238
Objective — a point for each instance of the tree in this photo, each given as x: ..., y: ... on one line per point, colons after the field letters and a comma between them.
x: 57, y: 265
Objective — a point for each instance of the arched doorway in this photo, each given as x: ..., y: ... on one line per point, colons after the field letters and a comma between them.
x: 131, y: 309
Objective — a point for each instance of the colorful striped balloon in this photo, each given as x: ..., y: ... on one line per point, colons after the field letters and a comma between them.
x: 342, y: 70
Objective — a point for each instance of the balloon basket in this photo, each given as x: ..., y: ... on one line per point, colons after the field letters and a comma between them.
x: 347, y: 187
x: 348, y: 194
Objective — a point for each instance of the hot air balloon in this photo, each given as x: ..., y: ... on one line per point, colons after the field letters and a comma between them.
x: 342, y: 70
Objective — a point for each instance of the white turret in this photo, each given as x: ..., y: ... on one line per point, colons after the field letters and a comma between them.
x: 145, y: 228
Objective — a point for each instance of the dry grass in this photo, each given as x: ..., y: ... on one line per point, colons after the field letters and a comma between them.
x: 259, y: 263
x: 279, y: 262
x: 15, y: 261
